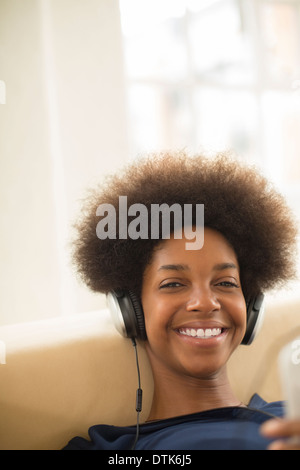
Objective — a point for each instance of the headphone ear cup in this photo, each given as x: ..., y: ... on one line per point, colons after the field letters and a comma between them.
x: 139, y: 316
x: 255, y: 316
x: 127, y: 314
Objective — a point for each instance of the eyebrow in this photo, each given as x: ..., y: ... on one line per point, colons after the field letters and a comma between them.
x: 174, y: 267
x: 185, y: 267
x: 223, y: 266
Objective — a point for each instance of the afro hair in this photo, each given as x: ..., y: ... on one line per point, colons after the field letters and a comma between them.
x: 238, y: 202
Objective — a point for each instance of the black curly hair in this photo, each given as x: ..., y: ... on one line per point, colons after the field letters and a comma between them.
x: 238, y: 202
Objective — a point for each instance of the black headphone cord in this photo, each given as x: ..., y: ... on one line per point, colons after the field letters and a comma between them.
x: 139, y: 396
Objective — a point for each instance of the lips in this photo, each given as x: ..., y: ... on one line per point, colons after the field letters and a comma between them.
x: 202, y: 333
x: 202, y: 330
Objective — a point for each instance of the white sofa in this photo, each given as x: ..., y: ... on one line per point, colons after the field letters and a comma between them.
x: 63, y: 375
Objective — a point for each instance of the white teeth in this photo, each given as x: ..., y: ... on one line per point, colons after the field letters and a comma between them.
x: 201, y: 333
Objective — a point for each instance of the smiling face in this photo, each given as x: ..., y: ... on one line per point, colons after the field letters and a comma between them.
x: 195, y: 312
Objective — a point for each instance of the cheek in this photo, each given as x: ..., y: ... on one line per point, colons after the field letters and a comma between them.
x: 158, y: 318
x: 155, y: 314
x: 238, y: 314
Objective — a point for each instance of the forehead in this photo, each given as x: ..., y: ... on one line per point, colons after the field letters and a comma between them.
x: 216, y: 250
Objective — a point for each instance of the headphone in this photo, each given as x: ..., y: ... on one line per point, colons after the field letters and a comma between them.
x: 128, y: 316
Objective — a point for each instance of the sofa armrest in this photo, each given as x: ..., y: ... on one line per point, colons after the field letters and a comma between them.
x: 63, y: 375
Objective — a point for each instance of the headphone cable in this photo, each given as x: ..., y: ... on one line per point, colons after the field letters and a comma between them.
x: 139, y: 395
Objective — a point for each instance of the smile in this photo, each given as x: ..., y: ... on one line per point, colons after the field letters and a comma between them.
x: 203, y: 333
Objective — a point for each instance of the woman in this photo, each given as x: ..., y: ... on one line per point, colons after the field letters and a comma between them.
x: 193, y: 302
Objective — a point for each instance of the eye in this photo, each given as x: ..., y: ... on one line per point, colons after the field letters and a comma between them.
x: 228, y: 284
x: 171, y: 285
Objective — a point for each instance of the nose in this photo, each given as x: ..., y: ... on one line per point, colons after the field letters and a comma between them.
x: 202, y: 300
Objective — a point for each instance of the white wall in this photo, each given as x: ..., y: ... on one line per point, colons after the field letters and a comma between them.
x: 62, y: 128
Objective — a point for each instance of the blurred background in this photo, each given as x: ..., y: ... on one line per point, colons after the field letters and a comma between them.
x: 87, y: 85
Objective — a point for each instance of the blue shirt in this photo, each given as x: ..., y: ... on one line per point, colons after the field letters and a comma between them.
x: 218, y: 429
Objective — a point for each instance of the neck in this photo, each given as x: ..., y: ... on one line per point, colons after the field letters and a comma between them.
x: 175, y: 396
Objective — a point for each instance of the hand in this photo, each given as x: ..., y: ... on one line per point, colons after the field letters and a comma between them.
x: 282, y: 430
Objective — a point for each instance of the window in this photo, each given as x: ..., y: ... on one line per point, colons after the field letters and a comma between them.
x: 216, y: 75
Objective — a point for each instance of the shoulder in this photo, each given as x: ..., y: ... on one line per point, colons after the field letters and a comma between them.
x: 104, y: 437
x: 275, y: 408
